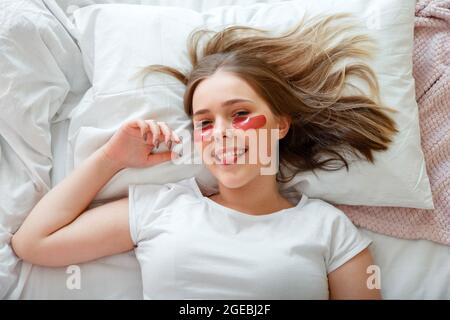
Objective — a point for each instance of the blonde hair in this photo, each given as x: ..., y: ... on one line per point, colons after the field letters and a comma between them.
x: 301, y: 74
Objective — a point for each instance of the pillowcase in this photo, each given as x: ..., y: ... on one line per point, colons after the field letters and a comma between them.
x: 118, y: 40
x: 69, y: 6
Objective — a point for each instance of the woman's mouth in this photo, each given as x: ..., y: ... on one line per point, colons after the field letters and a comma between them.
x: 229, y: 156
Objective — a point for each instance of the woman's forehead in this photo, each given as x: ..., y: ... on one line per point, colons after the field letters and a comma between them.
x: 220, y: 88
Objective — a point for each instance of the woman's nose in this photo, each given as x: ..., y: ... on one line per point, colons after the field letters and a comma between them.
x: 222, y: 129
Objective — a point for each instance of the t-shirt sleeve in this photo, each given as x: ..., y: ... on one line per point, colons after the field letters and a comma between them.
x: 147, y: 203
x: 345, y: 241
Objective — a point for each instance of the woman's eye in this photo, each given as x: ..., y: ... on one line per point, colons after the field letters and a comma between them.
x: 202, y: 124
x: 241, y: 113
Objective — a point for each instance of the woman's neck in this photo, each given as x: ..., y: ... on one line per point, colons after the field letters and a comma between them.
x: 260, y: 196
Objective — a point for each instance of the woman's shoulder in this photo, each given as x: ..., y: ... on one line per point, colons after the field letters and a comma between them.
x: 152, y: 205
x: 165, y: 193
x: 310, y: 206
x: 336, y: 230
x: 321, y: 210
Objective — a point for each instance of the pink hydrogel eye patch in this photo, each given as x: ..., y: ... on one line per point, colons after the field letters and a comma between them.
x: 203, y: 134
x: 246, y: 123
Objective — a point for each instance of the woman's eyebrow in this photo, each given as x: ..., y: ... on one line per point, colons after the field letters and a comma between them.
x: 224, y: 104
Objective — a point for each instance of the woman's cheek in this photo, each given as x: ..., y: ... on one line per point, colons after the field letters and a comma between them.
x: 204, y: 149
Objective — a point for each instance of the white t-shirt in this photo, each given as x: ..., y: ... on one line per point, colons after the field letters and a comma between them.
x: 190, y: 247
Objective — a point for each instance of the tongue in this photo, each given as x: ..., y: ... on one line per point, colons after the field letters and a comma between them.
x: 229, y: 159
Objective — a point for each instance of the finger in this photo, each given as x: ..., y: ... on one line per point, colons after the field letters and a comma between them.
x: 175, y: 137
x: 142, y: 127
x: 155, y: 158
x: 167, y: 134
x: 155, y: 131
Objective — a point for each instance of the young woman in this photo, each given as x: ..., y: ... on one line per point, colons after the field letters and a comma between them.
x: 247, y: 241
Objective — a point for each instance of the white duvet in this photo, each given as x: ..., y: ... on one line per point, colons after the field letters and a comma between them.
x: 41, y: 78
x: 33, y: 158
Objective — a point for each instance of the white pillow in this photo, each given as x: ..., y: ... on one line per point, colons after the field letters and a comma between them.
x: 117, y: 40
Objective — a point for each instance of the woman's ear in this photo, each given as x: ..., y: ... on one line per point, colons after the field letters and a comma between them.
x: 284, y: 123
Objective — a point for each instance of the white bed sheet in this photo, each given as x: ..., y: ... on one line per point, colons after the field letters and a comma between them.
x: 410, y: 269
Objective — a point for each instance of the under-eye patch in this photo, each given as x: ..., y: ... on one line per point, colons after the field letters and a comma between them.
x: 243, y: 123
x: 246, y: 123
x: 204, y: 133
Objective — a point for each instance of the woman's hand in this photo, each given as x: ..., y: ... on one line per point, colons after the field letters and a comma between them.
x: 134, y: 143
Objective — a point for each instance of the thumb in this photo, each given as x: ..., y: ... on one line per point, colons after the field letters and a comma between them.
x: 155, y: 158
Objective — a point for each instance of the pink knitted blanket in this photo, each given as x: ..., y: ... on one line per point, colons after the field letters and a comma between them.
x: 431, y: 61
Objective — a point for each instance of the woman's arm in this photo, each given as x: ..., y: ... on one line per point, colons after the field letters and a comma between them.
x: 349, y: 281
x: 55, y: 234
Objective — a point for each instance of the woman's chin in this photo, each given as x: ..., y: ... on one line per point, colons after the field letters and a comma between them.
x: 231, y: 176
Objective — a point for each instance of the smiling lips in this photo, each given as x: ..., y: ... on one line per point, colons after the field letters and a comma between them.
x: 243, y: 123
x: 228, y: 156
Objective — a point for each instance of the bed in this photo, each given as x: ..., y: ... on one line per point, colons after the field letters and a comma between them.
x: 411, y: 269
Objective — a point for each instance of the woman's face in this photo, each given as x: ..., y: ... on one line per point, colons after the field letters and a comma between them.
x: 234, y: 130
